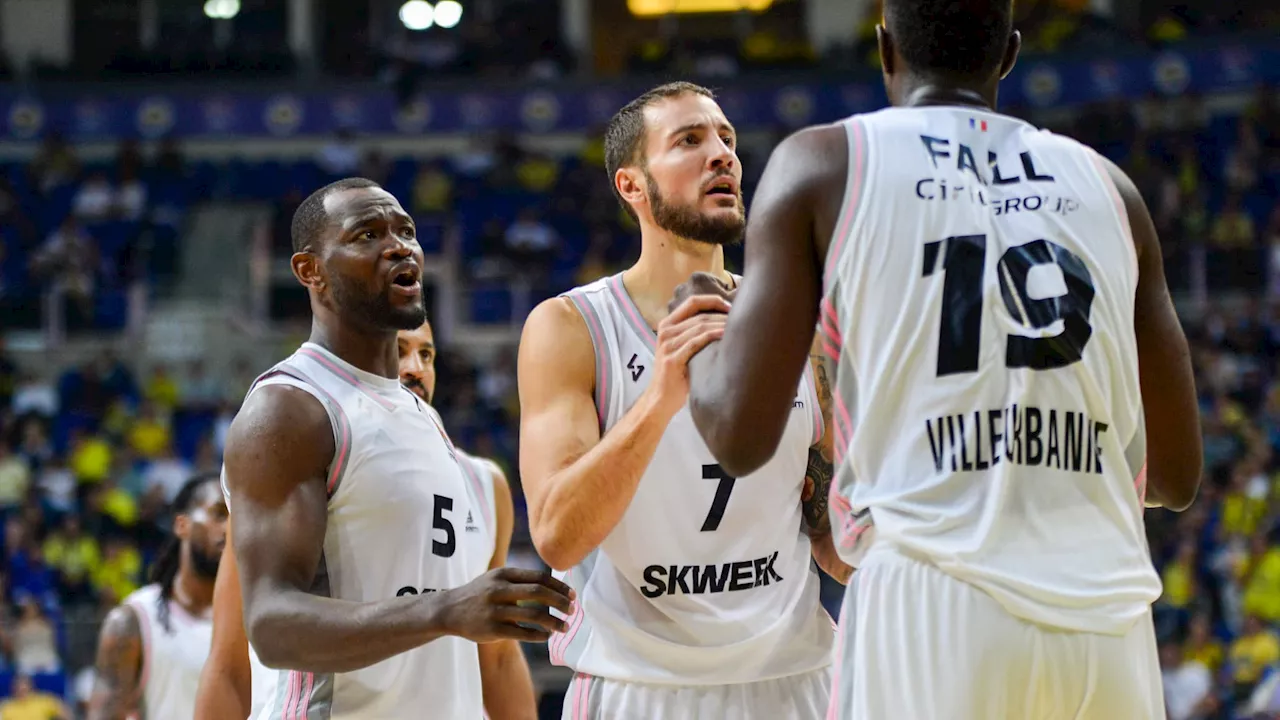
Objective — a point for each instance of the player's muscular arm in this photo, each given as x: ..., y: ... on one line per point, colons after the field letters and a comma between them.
x: 1174, y: 451
x: 118, y: 668
x: 225, y: 681
x: 742, y: 387
x: 278, y: 452
x: 504, y: 672
x: 578, y: 485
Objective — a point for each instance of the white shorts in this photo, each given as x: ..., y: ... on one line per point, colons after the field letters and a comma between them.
x: 916, y: 643
x: 798, y: 697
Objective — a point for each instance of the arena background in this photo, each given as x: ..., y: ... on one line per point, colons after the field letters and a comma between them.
x: 152, y: 153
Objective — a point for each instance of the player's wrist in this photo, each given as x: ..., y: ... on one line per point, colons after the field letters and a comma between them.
x: 660, y: 405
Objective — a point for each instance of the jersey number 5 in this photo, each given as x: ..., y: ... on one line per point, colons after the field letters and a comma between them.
x: 723, y: 491
x: 440, y: 522
x: 959, y: 337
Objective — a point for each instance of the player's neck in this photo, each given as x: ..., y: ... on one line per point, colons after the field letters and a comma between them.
x: 924, y: 92
x: 371, y: 351
x: 665, y: 263
x: 191, y: 592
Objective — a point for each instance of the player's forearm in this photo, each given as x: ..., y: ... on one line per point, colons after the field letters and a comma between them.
x: 299, y: 631
x: 825, y: 554
x: 741, y: 440
x: 508, y: 685
x: 587, y: 499
x: 225, y: 692
x: 112, y: 705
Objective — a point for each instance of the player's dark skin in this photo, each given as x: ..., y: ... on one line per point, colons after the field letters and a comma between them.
x: 278, y: 453
x: 740, y: 394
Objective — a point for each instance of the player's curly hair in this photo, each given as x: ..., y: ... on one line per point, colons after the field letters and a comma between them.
x: 961, y: 40
x: 624, y: 136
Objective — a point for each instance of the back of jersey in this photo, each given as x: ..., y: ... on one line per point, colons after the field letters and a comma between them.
x: 980, y: 293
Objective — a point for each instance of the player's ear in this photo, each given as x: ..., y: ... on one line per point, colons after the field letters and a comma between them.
x: 306, y: 267
x: 885, y: 43
x: 630, y: 185
x: 182, y: 526
x: 1010, y: 54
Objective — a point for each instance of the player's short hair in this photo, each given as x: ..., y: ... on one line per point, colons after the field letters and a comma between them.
x: 624, y: 136
x: 952, y: 39
x: 310, y: 219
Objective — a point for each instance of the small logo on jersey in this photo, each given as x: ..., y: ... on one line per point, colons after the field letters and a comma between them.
x: 471, y: 524
x: 980, y: 125
x: 798, y: 404
x: 636, y: 370
x: 707, y: 579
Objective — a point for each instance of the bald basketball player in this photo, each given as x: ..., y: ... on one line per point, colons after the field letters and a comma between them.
x: 234, y: 684
x: 697, y: 592
x: 1012, y: 378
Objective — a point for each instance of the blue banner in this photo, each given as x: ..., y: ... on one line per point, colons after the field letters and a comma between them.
x: 749, y: 104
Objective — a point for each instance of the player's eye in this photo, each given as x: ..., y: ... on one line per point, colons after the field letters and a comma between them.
x: 690, y: 139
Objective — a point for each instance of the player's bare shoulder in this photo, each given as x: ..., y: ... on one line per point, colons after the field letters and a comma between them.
x: 278, y: 423
x: 555, y: 343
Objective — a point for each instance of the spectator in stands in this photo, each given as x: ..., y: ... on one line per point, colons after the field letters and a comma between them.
x: 1188, y: 685
x: 1234, y: 240
x: 34, y: 445
x: 149, y: 435
x: 35, y: 649
x: 530, y: 242
x: 1253, y: 651
x: 162, y: 389
x: 57, y: 486
x: 340, y: 156
x: 374, y: 166
x: 169, y: 163
x: 119, y: 573
x: 200, y: 390
x: 27, y: 703
x: 165, y: 476
x: 74, y: 556
x: 130, y: 195
x: 95, y: 201
x: 90, y: 457
x: 54, y: 165
x: 34, y: 396
x: 15, y: 478
x: 1244, y: 159
x: 69, y: 260
x: 432, y: 191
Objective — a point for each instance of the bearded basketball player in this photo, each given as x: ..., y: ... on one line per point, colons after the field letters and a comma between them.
x: 697, y: 593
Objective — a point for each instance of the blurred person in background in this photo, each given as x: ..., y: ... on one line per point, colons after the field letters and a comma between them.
x: 153, y: 646
x: 27, y: 703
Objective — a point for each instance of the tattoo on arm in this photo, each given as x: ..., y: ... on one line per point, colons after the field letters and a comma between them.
x: 821, y: 468
x: 118, y: 667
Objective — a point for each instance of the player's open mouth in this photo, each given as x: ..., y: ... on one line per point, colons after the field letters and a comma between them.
x: 724, y: 186
x: 407, y: 279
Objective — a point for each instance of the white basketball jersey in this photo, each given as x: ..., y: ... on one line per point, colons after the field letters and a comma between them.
x: 172, y: 656
x: 980, y: 302
x: 707, y: 579
x: 480, y: 528
x: 397, y: 505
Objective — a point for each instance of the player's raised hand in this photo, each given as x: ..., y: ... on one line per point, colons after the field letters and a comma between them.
x: 505, y: 604
x: 697, y: 322
x: 701, y: 283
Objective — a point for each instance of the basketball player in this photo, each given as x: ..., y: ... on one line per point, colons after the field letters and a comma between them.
x: 349, y: 498
x: 234, y: 684
x: 1006, y: 346
x: 152, y: 646
x: 697, y: 593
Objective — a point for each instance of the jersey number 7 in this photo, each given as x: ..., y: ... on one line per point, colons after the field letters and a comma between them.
x: 723, y: 491
x: 964, y: 261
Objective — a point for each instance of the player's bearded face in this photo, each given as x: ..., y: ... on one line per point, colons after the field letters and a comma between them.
x: 204, y: 559
x: 373, y: 307
x: 687, y: 220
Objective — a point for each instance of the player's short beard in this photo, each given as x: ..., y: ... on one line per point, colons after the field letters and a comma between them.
x: 204, y: 564
x: 374, y: 309
x: 690, y: 223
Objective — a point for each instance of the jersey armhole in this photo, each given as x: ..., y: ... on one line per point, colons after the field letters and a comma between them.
x: 604, y: 382
x: 338, y: 422
x: 1117, y: 201
x: 144, y: 633
x: 855, y: 131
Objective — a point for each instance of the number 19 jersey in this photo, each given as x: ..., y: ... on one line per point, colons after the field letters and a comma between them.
x: 979, y: 297
x: 707, y: 579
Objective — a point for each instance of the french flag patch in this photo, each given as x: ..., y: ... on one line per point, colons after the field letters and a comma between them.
x: 978, y: 124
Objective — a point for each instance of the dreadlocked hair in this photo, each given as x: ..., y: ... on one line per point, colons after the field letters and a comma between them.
x: 164, y: 569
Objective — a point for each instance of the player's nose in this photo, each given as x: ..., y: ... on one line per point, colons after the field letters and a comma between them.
x: 722, y: 156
